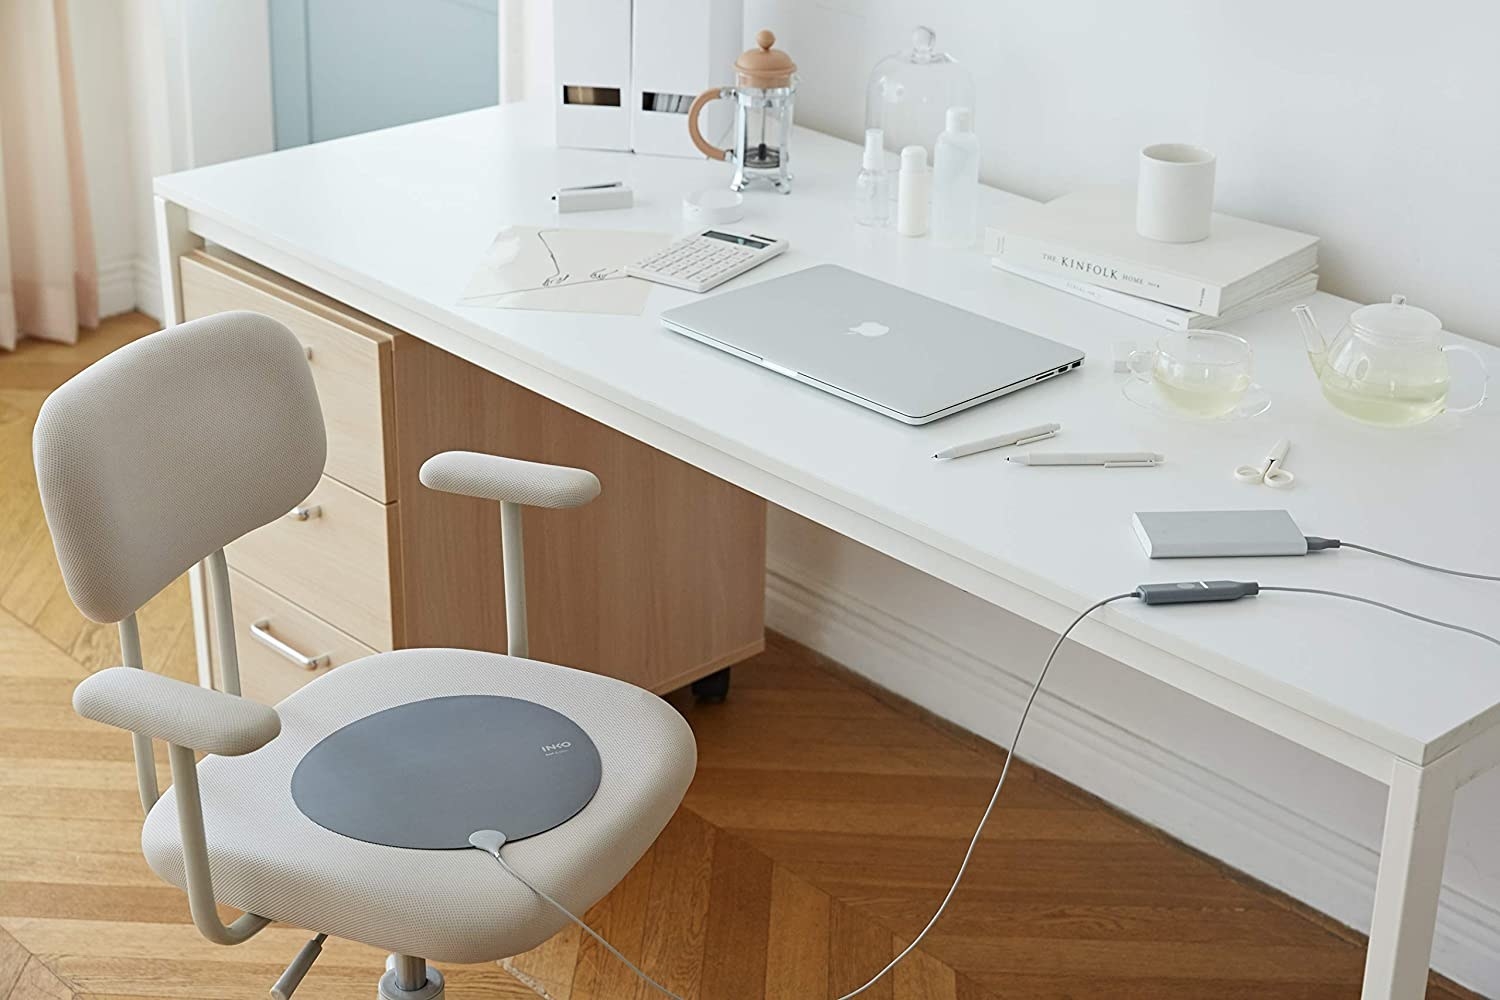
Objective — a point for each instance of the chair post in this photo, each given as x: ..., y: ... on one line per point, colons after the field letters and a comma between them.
x: 195, y: 863
x: 223, y: 611
x: 513, y: 560
x: 145, y: 752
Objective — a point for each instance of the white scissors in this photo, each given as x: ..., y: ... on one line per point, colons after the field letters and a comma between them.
x: 1269, y: 472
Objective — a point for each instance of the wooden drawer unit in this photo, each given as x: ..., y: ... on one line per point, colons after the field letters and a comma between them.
x: 271, y: 634
x: 331, y: 556
x: 660, y: 581
x: 350, y: 360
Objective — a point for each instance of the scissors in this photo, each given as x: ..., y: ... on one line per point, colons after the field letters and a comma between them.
x: 1269, y: 472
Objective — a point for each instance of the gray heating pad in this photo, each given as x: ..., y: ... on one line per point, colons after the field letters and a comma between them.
x: 429, y: 773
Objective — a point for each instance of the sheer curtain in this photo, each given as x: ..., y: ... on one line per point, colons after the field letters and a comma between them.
x: 48, y: 275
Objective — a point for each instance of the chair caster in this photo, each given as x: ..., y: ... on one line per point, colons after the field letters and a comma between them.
x: 712, y: 689
x: 390, y: 983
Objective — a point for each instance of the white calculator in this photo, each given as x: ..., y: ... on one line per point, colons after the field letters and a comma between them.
x: 707, y: 258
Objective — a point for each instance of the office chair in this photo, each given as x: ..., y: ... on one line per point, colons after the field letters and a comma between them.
x: 151, y: 461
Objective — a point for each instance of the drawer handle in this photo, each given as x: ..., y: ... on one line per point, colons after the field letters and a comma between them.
x: 305, y: 512
x: 261, y: 630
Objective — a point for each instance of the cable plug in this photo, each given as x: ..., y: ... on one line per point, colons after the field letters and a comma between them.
x: 1316, y: 544
x: 488, y: 841
x: 1196, y: 591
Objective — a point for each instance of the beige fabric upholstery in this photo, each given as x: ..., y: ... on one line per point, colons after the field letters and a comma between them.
x: 170, y: 448
x: 456, y: 906
x: 168, y: 709
x: 491, y: 477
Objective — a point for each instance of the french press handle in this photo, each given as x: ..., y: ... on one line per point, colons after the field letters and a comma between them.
x: 707, y: 148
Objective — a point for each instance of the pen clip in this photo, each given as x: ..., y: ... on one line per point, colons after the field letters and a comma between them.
x: 1132, y: 465
x: 1035, y: 437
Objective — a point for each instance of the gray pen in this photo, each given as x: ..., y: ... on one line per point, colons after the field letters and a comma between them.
x: 1038, y: 433
x: 1108, y: 459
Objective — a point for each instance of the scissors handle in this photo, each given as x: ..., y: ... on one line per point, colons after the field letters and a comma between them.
x: 1279, y: 478
x: 1250, y: 473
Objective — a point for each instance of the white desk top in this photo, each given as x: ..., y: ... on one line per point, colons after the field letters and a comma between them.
x: 394, y: 221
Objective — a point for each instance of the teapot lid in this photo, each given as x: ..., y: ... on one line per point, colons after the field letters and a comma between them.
x: 1396, y: 320
x: 765, y: 67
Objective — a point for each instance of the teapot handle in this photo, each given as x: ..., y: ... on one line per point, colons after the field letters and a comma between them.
x: 1484, y: 389
x: 707, y: 148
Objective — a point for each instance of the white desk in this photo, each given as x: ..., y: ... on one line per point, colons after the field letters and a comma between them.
x: 392, y: 223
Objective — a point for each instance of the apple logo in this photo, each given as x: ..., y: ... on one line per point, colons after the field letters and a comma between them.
x: 869, y: 328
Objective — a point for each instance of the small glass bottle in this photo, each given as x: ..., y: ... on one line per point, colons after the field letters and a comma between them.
x: 872, y: 188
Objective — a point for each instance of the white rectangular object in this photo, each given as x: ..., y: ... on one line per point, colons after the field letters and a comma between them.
x: 594, y: 198
x: 591, y: 73
x: 1090, y: 235
x: 1190, y: 534
x: 680, y: 48
x: 890, y: 350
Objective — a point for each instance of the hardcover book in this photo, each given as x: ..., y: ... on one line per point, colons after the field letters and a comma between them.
x: 1171, y: 317
x: 1090, y: 235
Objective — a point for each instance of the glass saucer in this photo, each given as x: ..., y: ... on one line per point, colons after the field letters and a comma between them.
x: 1143, y: 394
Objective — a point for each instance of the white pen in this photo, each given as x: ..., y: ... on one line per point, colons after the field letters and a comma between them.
x: 1108, y: 459
x: 1030, y: 434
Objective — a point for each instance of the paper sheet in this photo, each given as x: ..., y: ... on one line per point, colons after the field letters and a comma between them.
x: 563, y: 270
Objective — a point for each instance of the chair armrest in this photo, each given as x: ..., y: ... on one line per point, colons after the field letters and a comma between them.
x: 182, y: 714
x: 509, y: 480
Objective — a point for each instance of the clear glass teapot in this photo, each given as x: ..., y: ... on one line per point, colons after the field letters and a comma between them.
x: 765, y: 85
x: 1387, y: 365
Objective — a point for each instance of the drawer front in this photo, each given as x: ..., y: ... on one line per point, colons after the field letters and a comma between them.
x: 267, y: 673
x: 336, y: 563
x: 350, y: 365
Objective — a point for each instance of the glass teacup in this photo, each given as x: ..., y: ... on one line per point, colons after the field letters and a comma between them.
x: 1202, y: 373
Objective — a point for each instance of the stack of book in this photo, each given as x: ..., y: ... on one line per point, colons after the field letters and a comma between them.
x: 1085, y: 243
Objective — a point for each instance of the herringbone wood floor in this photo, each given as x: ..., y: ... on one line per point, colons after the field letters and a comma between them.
x: 822, y: 829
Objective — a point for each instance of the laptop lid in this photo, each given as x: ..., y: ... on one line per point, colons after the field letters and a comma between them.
x: 864, y: 338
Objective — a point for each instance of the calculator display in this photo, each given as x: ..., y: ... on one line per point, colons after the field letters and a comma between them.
x: 743, y: 241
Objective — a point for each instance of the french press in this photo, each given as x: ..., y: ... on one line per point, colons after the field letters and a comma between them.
x: 765, y: 83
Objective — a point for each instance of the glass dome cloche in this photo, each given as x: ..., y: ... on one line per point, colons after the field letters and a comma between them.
x: 910, y: 93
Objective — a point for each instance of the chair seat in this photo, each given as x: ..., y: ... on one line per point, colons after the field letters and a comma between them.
x: 454, y: 906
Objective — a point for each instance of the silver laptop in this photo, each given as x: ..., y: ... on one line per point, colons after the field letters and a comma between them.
x: 896, y: 352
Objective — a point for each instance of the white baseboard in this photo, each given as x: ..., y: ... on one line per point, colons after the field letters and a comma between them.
x: 130, y: 283
x: 148, y: 287
x: 116, y: 287
x: 1298, y: 854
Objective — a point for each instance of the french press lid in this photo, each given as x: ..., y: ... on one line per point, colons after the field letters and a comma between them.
x: 764, y: 67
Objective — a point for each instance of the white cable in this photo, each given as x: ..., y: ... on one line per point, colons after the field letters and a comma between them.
x: 1036, y: 689
x: 586, y: 928
x: 1412, y: 562
x: 1389, y: 607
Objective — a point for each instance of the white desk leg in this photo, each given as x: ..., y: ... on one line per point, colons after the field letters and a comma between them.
x: 1406, y: 891
x: 173, y: 239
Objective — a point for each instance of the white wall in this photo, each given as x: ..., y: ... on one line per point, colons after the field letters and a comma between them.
x: 163, y: 85
x: 1369, y: 122
x: 103, y: 107
x: 1372, y: 124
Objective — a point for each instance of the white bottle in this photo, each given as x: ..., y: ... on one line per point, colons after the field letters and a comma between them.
x: 872, y: 188
x: 912, y: 187
x: 955, y: 182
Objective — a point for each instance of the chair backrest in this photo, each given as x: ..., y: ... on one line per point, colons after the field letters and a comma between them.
x: 165, y: 451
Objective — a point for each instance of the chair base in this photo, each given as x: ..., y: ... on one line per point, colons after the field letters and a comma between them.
x: 390, y: 983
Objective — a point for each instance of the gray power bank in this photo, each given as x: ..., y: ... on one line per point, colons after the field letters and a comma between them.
x: 1189, y: 534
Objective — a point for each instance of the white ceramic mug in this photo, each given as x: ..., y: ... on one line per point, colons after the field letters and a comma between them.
x: 1174, y: 193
